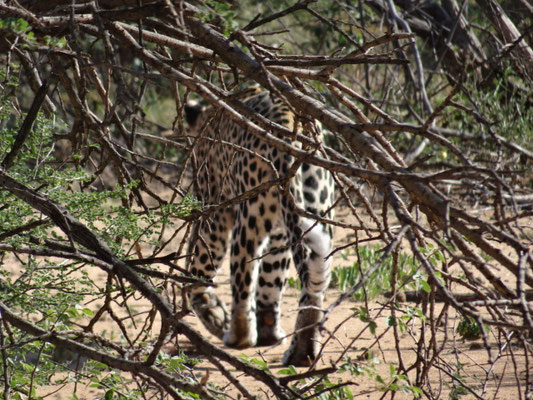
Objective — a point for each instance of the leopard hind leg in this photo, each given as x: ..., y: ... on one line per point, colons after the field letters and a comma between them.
x: 270, y: 286
x: 208, y: 249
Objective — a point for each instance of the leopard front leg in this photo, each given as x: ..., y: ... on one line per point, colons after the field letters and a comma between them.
x: 314, y: 272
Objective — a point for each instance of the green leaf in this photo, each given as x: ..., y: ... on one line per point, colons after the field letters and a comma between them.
x: 88, y: 312
x: 290, y: 370
x: 27, y: 367
x: 416, y: 391
x: 372, y: 326
x: 425, y: 286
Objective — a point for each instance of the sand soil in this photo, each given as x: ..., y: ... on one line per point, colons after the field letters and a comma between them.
x: 460, y: 366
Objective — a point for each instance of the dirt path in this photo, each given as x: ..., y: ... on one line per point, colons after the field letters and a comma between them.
x: 347, y: 335
x: 372, y: 353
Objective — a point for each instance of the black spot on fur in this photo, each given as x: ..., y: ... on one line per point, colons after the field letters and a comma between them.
x: 234, y: 267
x: 267, y: 267
x: 200, y: 274
x: 309, y: 197
x: 311, y: 182
x: 250, y: 247
x: 324, y: 195
x: 243, y: 237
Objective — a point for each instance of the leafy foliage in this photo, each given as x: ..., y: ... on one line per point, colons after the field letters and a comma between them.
x: 469, y: 329
x: 382, y: 280
x: 57, y: 294
x: 432, y: 125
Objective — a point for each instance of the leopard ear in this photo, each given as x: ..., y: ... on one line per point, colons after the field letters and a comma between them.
x: 192, y: 111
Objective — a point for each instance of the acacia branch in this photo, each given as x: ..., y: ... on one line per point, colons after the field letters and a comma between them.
x: 56, y: 338
x: 82, y: 235
x: 431, y: 203
x: 25, y: 129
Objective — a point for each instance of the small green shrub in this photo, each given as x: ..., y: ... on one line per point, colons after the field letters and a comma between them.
x: 469, y: 329
x: 344, y: 278
x: 325, y: 388
x: 55, y: 293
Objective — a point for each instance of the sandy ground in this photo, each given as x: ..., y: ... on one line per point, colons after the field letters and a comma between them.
x: 347, y: 335
x: 351, y: 337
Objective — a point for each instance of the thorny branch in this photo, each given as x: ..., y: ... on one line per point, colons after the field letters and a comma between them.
x: 464, y: 217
